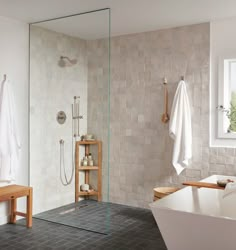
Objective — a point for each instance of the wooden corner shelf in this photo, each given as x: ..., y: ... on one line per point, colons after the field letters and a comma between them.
x: 87, y: 169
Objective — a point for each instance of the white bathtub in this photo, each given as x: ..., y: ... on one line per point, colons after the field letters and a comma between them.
x: 197, y: 218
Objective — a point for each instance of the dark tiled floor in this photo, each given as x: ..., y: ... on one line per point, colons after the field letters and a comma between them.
x: 130, y: 229
x: 102, y: 217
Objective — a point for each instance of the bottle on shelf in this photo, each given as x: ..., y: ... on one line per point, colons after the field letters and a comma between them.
x: 90, y: 160
x: 85, y: 161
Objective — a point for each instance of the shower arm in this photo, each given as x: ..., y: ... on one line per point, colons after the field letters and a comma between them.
x: 65, y: 57
x: 72, y: 61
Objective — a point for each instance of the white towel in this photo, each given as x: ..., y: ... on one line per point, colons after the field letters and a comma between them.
x: 180, y: 128
x: 9, y: 140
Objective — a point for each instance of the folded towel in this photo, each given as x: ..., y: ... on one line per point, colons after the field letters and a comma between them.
x: 180, y: 128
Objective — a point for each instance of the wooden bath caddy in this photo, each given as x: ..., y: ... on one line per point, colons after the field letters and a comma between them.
x: 202, y: 184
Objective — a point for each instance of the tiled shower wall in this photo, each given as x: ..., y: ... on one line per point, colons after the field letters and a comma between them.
x: 52, y: 90
x: 141, y: 149
x: 98, y: 98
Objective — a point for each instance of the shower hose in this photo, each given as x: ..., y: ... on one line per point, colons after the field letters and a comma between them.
x: 67, y: 181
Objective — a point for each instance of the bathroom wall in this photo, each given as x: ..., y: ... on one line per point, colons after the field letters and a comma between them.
x: 141, y: 149
x: 14, y: 62
x: 52, y: 89
x: 98, y: 105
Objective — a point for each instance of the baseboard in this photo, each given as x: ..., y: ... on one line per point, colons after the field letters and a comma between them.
x: 4, y: 220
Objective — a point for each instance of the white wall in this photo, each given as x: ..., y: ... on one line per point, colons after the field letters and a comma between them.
x: 14, y: 62
x: 222, y: 44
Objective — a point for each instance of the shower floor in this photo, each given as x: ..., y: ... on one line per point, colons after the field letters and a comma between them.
x: 130, y: 229
x: 101, y: 217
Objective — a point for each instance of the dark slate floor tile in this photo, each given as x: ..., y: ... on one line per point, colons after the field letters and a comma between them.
x: 130, y: 229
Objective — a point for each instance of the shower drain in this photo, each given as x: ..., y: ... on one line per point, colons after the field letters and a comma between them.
x: 72, y: 209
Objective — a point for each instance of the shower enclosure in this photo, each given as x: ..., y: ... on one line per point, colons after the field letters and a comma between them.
x: 69, y: 102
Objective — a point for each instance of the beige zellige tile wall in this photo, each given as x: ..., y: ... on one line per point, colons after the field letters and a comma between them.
x: 141, y: 148
x: 98, y: 90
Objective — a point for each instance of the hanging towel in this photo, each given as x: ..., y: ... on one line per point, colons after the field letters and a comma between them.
x: 180, y: 128
x: 9, y: 139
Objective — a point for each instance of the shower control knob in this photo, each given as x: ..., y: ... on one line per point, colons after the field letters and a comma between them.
x: 61, y: 117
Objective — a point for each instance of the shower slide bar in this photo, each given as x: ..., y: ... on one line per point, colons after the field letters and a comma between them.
x: 75, y: 133
x: 76, y: 116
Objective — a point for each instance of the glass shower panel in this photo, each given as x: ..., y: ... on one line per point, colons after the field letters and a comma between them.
x: 69, y: 119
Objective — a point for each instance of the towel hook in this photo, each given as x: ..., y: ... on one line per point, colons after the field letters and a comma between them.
x: 4, y: 77
x: 165, y: 80
x: 165, y: 117
x: 182, y: 78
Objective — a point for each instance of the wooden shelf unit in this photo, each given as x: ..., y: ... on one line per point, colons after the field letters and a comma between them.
x: 87, y: 169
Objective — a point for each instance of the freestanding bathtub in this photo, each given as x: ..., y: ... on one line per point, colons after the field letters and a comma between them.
x: 197, y: 218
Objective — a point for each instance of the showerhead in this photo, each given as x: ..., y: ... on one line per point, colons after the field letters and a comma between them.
x: 63, y: 62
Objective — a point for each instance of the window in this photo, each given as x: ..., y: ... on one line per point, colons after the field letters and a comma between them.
x: 227, y: 98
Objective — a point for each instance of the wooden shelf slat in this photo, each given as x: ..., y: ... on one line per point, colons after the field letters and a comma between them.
x: 87, y: 142
x: 88, y: 168
x: 88, y: 193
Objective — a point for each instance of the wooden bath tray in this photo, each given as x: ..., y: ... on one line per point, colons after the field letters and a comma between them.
x: 202, y: 184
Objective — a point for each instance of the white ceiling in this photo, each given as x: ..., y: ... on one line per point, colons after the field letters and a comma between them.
x: 128, y: 16
x: 92, y: 25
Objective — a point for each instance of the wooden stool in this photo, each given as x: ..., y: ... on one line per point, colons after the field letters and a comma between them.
x: 11, y: 193
x: 161, y: 192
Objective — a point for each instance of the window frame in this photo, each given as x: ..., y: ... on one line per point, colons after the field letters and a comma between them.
x: 223, y: 97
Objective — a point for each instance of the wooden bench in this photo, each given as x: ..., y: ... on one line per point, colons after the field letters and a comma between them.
x: 11, y: 193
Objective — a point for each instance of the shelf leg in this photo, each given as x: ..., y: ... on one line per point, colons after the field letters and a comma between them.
x: 76, y: 172
x: 100, y: 171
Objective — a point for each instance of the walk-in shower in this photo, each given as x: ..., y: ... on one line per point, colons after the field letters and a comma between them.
x: 69, y: 99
